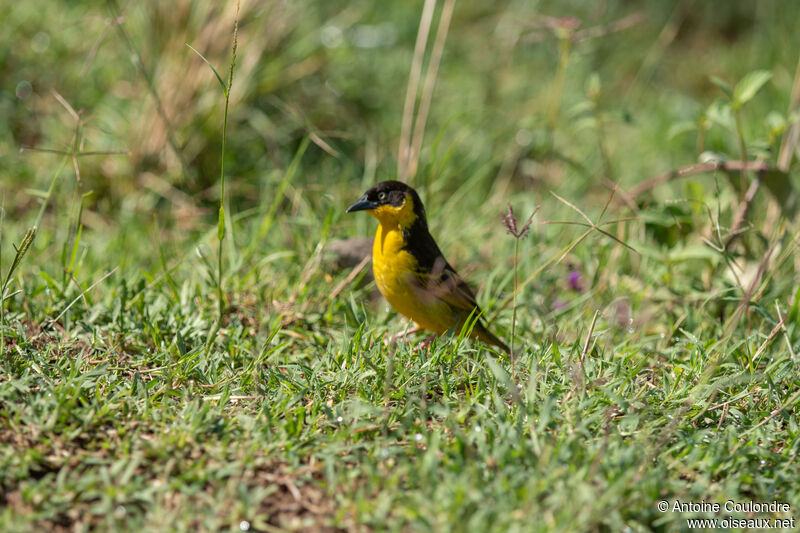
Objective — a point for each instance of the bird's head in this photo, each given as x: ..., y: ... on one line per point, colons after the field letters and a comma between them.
x: 391, y: 202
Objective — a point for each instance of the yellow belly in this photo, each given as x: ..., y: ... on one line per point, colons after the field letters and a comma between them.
x: 394, y: 269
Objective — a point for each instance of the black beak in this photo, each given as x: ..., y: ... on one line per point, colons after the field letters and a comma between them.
x: 362, y: 205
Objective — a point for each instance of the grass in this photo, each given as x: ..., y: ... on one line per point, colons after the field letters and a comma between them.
x: 656, y: 325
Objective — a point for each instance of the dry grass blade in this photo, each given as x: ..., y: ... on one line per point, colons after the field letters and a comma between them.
x: 350, y: 277
x: 12, y: 294
x: 791, y: 139
x: 793, y: 399
x: 615, y: 239
x: 594, y: 227
x: 785, y: 333
x: 404, y: 149
x: 61, y: 100
x: 110, y: 23
x: 748, y: 293
x: 567, y: 249
x: 76, y: 168
x: 591, y: 224
x: 151, y: 85
x: 42, y: 150
x: 585, y: 225
x: 565, y: 202
x: 622, y: 24
x: 427, y: 90
x: 76, y: 142
x: 608, y: 202
x: 768, y: 340
x: 207, y: 62
x: 322, y: 143
x: 81, y: 295
x: 78, y: 285
x: 588, y: 340
x: 699, y: 168
x: 741, y: 212
x: 79, y: 154
x: 585, y: 351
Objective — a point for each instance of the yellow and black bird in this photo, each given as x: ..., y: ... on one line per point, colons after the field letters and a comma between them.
x: 410, y: 270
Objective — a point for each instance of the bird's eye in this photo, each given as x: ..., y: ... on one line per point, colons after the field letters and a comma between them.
x: 382, y: 196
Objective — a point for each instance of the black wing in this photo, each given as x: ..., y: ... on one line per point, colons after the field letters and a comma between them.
x: 436, y: 275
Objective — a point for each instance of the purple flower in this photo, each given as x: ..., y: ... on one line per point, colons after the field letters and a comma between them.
x: 575, y: 280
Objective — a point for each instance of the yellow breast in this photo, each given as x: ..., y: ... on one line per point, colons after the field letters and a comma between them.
x: 394, y: 269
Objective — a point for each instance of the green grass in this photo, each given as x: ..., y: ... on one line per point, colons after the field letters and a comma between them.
x: 667, y: 371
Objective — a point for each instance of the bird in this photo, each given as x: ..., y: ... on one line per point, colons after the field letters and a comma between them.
x: 410, y: 269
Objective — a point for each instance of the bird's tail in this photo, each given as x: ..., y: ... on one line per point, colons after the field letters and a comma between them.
x: 481, y: 333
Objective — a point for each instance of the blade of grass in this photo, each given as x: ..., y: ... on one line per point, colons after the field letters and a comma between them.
x: 403, y: 151
x: 80, y: 296
x: 219, y: 78
x: 221, y: 217
x: 427, y: 89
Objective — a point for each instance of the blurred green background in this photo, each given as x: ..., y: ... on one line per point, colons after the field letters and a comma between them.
x: 339, y: 69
